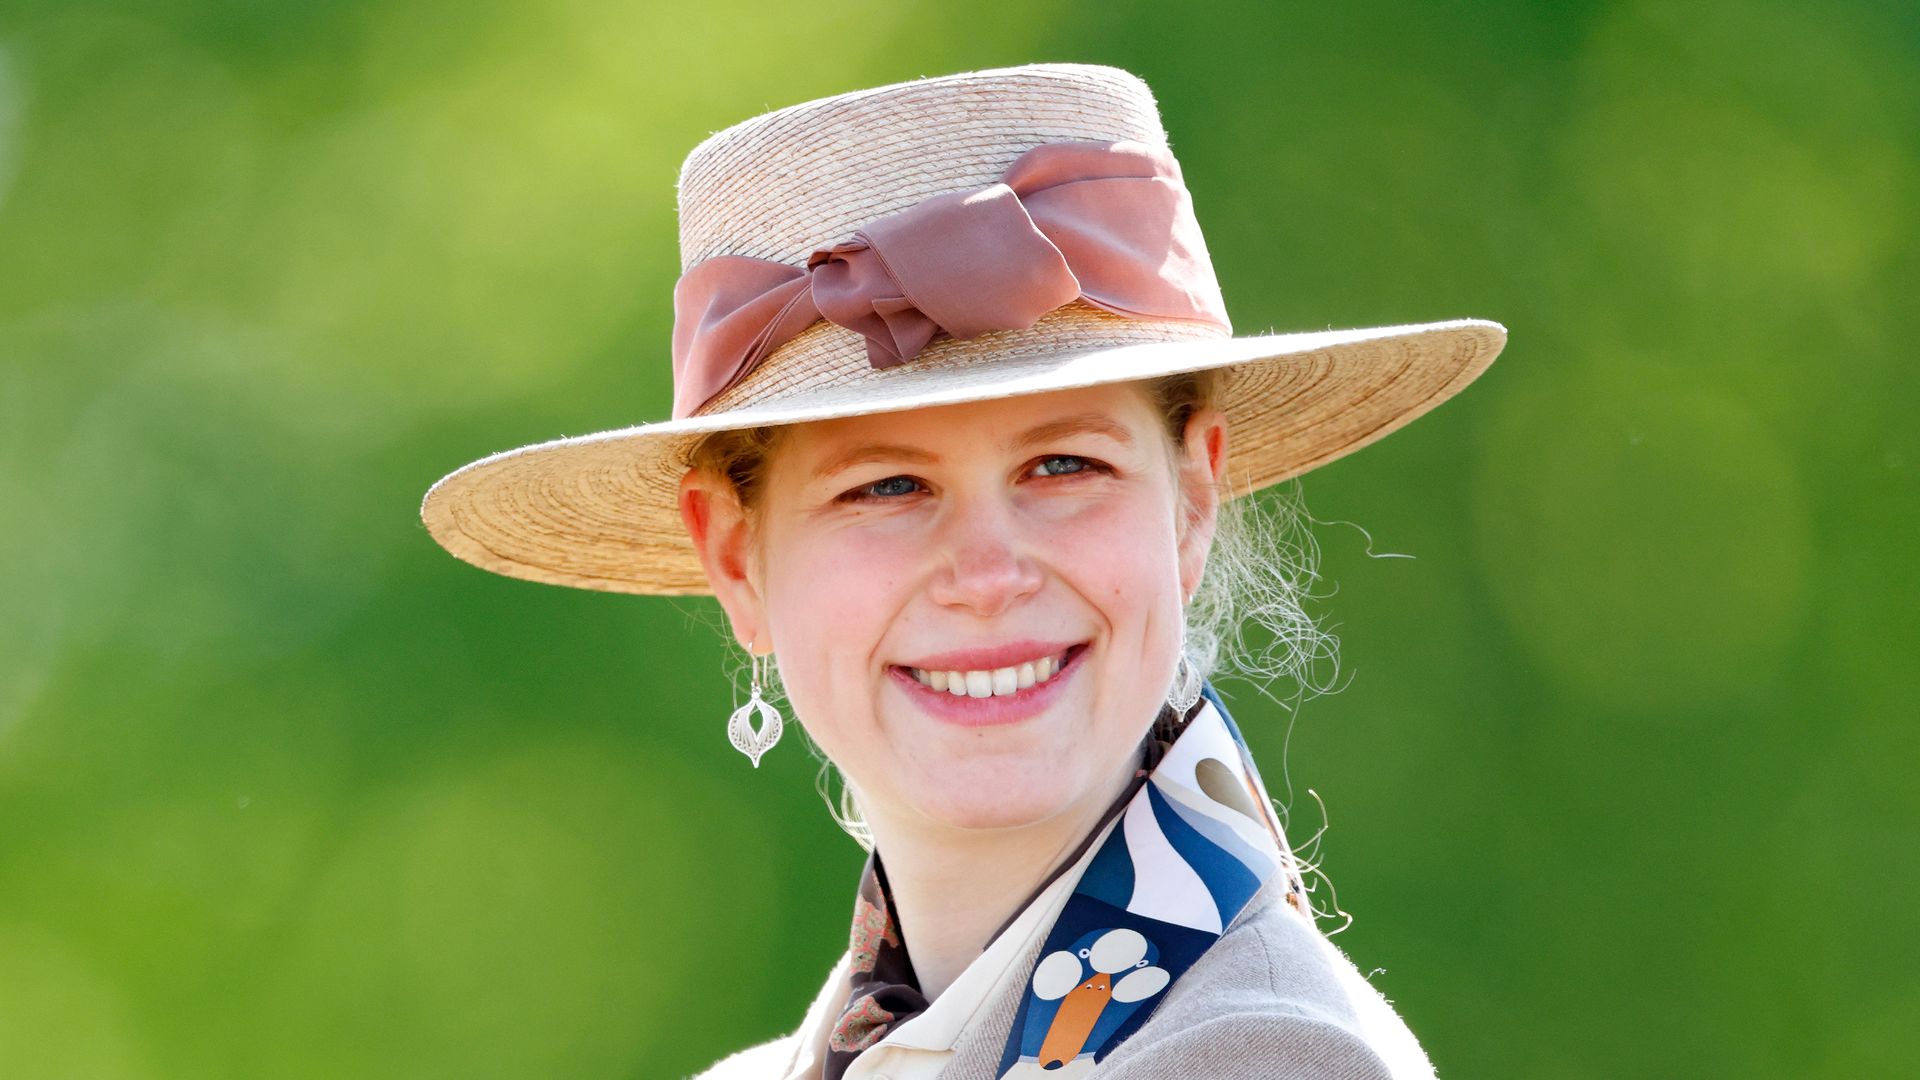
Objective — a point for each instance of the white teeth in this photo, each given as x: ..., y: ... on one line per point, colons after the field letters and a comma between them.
x: 995, y: 683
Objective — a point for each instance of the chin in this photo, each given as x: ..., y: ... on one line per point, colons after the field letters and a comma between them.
x: 1008, y: 799
x: 970, y: 812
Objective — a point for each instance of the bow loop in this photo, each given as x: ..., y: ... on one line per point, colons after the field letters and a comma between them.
x: 729, y: 312
x: 1152, y: 260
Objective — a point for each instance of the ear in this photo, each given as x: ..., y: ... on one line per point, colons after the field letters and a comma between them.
x: 1203, y: 465
x: 723, y: 537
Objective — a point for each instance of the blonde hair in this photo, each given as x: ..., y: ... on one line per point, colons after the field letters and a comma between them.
x: 1246, y: 621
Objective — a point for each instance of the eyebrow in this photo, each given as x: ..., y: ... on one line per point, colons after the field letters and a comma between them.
x: 860, y: 455
x: 1091, y: 423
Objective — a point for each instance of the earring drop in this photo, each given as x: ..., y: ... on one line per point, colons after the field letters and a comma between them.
x: 740, y: 726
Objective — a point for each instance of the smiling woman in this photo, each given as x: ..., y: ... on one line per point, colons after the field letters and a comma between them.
x: 960, y: 426
x: 1060, y: 468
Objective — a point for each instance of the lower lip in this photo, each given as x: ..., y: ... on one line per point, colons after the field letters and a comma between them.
x: 964, y: 711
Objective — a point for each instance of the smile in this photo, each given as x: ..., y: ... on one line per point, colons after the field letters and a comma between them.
x: 1023, y: 684
x: 997, y: 682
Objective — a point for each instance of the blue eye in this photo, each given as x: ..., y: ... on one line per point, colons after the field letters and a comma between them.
x: 1071, y: 463
x: 890, y: 487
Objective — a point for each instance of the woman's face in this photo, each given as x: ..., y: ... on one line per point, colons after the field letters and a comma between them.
x: 976, y: 608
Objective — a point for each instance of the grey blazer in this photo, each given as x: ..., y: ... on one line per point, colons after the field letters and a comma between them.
x: 1273, y: 999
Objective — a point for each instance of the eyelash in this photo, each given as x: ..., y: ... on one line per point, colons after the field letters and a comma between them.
x: 863, y: 493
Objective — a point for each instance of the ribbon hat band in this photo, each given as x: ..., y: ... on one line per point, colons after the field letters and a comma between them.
x: 1110, y: 223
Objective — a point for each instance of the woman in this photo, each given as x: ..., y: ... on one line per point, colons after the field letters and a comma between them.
x: 956, y: 409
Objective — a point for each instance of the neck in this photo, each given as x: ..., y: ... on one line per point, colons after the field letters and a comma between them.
x: 953, y: 888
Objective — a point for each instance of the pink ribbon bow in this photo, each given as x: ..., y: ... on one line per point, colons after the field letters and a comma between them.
x: 1108, y: 222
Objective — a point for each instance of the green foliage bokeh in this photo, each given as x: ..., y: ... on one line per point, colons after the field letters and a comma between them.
x: 1622, y: 784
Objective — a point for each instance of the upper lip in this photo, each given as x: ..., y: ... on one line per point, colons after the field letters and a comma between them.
x: 991, y: 657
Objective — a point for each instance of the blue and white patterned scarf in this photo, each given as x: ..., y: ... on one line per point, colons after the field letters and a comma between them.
x: 1196, y: 838
x: 1193, y: 845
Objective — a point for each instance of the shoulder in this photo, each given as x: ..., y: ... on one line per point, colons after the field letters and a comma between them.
x: 1270, y: 1045
x: 753, y: 1063
x: 1272, y: 998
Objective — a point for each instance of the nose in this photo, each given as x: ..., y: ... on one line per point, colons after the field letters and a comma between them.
x: 987, y: 563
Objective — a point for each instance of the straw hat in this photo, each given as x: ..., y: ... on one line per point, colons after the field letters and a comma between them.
x: 772, y: 207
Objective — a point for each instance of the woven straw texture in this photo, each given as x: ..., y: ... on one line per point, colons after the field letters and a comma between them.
x: 600, y: 511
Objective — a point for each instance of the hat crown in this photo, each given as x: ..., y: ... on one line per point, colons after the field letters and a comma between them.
x: 789, y: 182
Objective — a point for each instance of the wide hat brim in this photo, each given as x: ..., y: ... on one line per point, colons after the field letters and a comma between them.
x: 601, y: 511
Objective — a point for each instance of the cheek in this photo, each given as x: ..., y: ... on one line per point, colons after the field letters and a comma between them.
x: 1119, y: 554
x: 837, y: 578
x: 829, y: 601
x: 1126, y: 565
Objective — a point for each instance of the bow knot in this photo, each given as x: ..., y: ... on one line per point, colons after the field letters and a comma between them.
x: 1109, y: 222
x: 963, y: 263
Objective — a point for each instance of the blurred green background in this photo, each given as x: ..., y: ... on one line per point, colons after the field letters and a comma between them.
x: 1624, y: 781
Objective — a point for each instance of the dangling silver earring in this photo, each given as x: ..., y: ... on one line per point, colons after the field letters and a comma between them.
x: 1186, y: 682
x: 740, y: 730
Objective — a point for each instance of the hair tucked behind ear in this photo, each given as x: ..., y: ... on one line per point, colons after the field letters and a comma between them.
x: 1248, y: 618
x: 1246, y: 621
